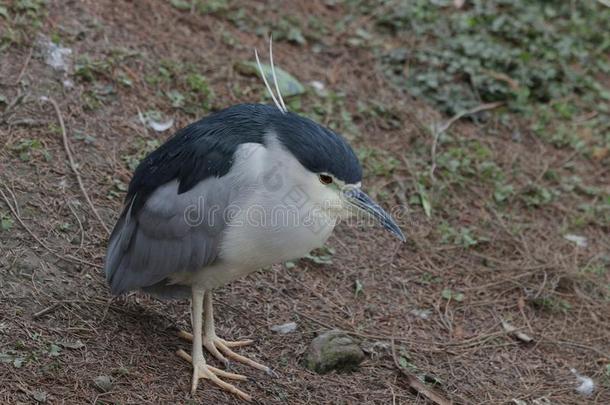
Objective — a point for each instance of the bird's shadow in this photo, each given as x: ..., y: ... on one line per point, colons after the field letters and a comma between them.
x: 151, y: 324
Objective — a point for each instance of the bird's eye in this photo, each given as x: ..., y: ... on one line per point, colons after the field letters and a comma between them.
x: 324, y: 179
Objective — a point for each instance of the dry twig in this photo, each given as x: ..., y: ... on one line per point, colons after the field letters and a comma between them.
x: 437, y: 131
x: 73, y: 163
x: 25, y: 66
x: 419, y: 386
x: 14, y: 210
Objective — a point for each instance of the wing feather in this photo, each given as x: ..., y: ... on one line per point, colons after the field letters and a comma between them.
x: 153, y: 238
x: 146, y: 248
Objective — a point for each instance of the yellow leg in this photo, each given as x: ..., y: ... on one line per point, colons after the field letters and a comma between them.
x: 220, y: 348
x: 200, y: 368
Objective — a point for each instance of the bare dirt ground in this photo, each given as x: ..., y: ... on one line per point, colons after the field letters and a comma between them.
x: 441, y: 303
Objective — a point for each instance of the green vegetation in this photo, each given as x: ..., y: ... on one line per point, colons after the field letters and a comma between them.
x: 141, y: 148
x: 463, y: 236
x: 516, y: 51
x: 201, y: 6
x: 377, y: 161
x: 27, y: 149
x: 551, y: 303
x: 102, y: 76
x: 449, y: 294
x: 183, y: 86
x: 323, y: 255
x: 546, y: 60
x: 23, y: 18
x: 6, y: 222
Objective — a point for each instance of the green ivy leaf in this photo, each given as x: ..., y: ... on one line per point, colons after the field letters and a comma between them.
x: 424, y: 200
x: 6, y: 224
x: 359, y: 288
x: 54, y: 350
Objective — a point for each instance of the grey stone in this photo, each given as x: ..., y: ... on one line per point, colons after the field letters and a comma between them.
x: 333, y: 350
x: 103, y: 383
x: 39, y: 396
x: 284, y: 328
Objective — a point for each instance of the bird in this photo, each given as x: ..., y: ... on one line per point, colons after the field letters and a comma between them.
x: 239, y: 190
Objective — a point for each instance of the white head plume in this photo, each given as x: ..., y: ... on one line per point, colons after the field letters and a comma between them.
x: 279, y: 104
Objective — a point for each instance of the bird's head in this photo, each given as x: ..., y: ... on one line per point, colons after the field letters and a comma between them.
x: 328, y: 170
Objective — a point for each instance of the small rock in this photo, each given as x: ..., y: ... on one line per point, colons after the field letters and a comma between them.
x: 580, y: 241
x: 288, y: 84
x: 421, y: 313
x: 284, y: 328
x: 319, y: 88
x: 511, y: 330
x: 71, y: 345
x: 39, y: 396
x: 586, y: 385
x: 333, y: 350
x: 103, y: 383
x: 376, y: 349
x: 56, y: 56
x: 155, y: 120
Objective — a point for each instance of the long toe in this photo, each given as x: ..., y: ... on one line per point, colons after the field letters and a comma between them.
x: 185, y: 335
x: 225, y: 385
x: 203, y: 370
x: 221, y: 349
x: 211, y: 346
x: 238, y: 343
x: 219, y: 343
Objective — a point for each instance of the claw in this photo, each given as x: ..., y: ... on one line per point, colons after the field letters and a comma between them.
x: 272, y: 373
x: 221, y: 349
x: 203, y: 370
x: 224, y: 348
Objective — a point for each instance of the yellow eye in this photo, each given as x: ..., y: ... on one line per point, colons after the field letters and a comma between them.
x: 324, y: 179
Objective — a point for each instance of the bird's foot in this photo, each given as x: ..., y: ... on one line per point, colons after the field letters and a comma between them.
x: 202, y: 370
x: 221, y: 349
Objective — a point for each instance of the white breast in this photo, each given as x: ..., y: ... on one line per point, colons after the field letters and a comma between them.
x: 281, y: 217
x: 275, y: 214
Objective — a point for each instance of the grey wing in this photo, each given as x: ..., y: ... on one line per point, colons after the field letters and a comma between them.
x: 171, y: 233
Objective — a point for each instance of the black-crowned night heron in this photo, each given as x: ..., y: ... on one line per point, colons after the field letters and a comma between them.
x: 242, y: 189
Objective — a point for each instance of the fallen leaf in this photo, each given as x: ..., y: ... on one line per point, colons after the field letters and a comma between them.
x: 71, y: 345
x: 54, y: 350
x: 284, y: 328
x: 458, y: 332
x: 586, y: 134
x: 580, y: 241
x: 103, y: 383
x: 154, y: 120
x: 289, y: 85
x: 511, y: 330
x: 11, y: 357
x: 6, y: 224
x: 39, y: 396
x: 600, y: 153
x: 425, y: 202
x: 587, y: 385
x: 358, y: 287
x: 421, y: 313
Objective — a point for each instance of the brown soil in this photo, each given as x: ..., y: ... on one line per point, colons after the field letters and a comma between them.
x: 52, y: 290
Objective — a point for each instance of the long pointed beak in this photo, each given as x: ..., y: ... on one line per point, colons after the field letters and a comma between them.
x: 363, y: 202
